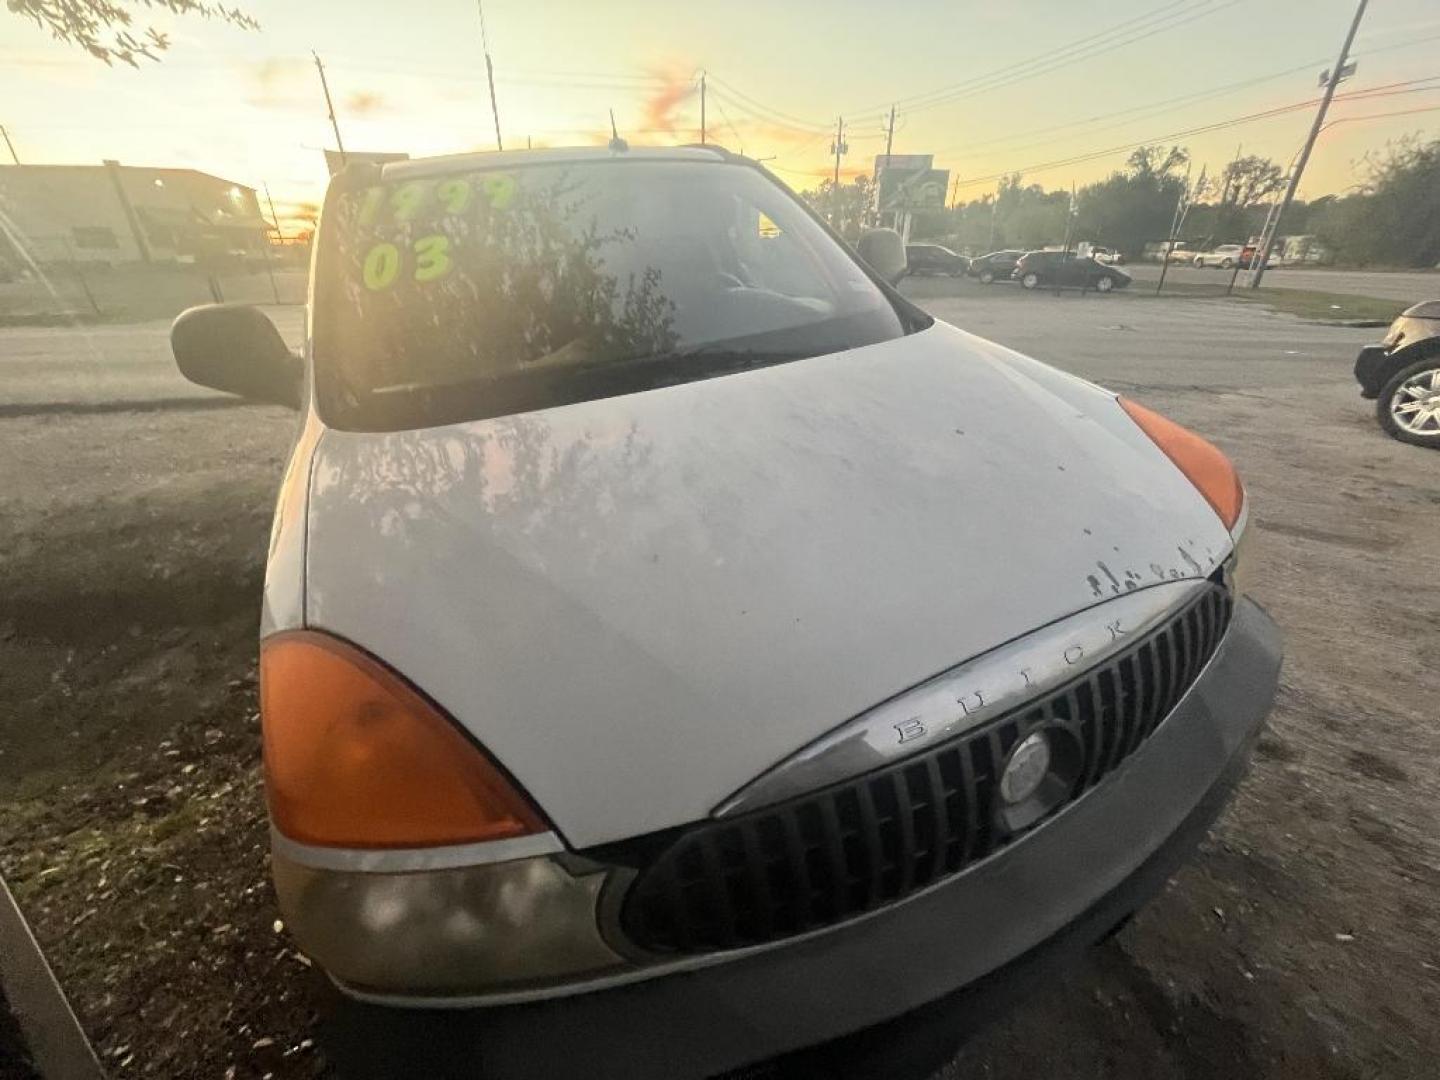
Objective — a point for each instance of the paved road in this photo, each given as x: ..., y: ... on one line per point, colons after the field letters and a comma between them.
x: 92, y: 365
x: 1384, y: 285
x: 1124, y: 340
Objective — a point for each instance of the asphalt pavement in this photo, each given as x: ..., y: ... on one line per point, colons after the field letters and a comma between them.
x: 83, y: 367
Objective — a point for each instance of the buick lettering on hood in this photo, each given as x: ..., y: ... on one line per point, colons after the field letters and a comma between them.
x: 678, y: 649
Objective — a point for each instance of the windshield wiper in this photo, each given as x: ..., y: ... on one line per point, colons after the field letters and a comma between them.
x: 720, y: 354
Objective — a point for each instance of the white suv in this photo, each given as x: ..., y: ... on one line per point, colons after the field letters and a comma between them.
x: 1226, y: 257
x: 678, y: 649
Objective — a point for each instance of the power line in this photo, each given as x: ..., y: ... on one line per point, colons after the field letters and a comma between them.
x: 1038, y: 57
x: 776, y: 116
x: 1380, y: 116
x: 1122, y: 34
x: 755, y: 117
x: 509, y: 78
x: 739, y: 139
x: 1160, y: 107
x: 1389, y: 90
x: 1155, y: 108
x: 1089, y: 55
x: 1165, y: 11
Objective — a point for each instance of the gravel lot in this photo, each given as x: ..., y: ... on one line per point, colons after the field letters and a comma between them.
x: 1302, y: 941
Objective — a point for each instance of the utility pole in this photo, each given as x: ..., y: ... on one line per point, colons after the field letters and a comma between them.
x: 1232, y: 177
x: 489, y: 74
x: 890, y: 135
x: 329, y: 105
x: 702, y: 108
x: 837, y: 149
x: 1337, y: 73
x: 9, y: 145
x: 1182, y: 207
x: 1069, y: 230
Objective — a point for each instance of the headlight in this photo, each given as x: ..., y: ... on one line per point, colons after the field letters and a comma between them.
x: 450, y: 932
x: 406, y: 861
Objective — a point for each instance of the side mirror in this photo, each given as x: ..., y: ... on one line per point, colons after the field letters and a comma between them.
x: 884, y: 251
x: 236, y: 348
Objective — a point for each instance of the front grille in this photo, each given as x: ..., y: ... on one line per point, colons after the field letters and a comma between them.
x: 836, y: 853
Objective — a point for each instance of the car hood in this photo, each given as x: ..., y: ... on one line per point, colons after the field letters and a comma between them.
x: 640, y: 603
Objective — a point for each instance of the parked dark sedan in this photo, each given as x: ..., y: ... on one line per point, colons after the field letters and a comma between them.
x: 1402, y: 375
x: 997, y: 266
x: 934, y: 259
x: 1066, y: 269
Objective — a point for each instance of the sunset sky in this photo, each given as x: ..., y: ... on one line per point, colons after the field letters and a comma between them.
x: 988, y: 88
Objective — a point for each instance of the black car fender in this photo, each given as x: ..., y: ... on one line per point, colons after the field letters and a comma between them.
x: 1373, y: 375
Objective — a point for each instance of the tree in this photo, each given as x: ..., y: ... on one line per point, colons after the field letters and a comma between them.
x: 1156, y: 161
x: 105, y: 28
x: 1130, y: 208
x: 1247, y: 180
x: 1393, y: 217
x: 1017, y: 215
x: 845, y: 207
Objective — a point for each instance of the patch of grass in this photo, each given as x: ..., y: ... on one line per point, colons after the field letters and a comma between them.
x: 1321, y: 306
x: 1330, y: 307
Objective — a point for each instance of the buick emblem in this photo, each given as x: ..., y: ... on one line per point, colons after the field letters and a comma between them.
x: 1028, y: 764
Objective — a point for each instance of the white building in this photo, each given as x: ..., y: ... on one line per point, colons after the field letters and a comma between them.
x: 117, y: 213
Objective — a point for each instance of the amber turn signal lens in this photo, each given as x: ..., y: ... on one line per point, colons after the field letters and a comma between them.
x: 1207, y: 468
x: 356, y: 757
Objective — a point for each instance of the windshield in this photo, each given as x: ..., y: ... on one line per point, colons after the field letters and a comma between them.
x: 472, y: 294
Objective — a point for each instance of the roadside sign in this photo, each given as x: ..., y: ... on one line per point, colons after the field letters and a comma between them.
x: 913, y: 189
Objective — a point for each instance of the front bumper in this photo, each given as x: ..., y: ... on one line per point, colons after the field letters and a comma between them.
x: 1097, y: 860
x: 1370, y: 368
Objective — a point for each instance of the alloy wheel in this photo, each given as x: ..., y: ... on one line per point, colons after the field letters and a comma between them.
x: 1415, y: 405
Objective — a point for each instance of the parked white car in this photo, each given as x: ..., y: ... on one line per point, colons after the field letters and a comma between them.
x: 679, y: 649
x: 1226, y: 257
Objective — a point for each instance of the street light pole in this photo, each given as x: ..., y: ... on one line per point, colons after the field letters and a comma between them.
x: 1336, y: 74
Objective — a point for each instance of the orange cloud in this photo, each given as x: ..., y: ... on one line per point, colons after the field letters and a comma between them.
x: 365, y: 103
x: 658, y: 109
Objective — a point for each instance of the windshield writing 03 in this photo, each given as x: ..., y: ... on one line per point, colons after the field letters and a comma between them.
x: 477, y: 294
